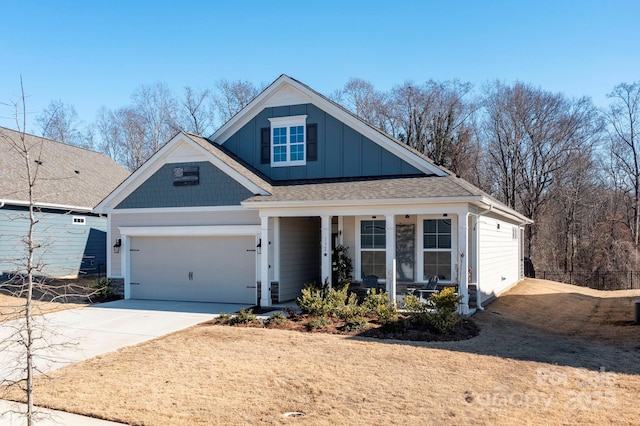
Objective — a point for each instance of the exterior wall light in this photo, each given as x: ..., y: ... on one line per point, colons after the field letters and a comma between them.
x: 117, y: 245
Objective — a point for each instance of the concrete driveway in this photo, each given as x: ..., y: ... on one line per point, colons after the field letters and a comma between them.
x: 74, y: 335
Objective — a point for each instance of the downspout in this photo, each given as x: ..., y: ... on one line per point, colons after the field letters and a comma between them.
x: 478, y: 298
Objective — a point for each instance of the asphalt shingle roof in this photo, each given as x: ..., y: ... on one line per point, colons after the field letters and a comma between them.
x: 68, y: 175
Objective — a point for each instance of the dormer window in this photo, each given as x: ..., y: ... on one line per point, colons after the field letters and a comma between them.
x: 288, y: 141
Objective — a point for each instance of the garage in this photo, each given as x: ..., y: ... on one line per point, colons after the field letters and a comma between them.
x: 194, y: 268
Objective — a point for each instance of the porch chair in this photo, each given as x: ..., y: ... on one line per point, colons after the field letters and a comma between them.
x: 370, y: 281
x: 431, y: 288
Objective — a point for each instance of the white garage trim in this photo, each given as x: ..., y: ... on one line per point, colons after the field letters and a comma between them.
x: 187, y: 231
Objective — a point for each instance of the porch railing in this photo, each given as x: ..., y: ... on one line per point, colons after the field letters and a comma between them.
x: 617, y: 280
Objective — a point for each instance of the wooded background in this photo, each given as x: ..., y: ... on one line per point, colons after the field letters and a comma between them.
x: 571, y: 167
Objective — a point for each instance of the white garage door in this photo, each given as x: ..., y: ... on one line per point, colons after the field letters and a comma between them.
x: 198, y: 269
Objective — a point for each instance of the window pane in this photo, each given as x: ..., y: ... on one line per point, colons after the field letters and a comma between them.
x: 380, y: 241
x: 444, y: 241
x: 429, y: 241
x: 430, y: 226
x: 437, y: 263
x: 366, y: 241
x: 297, y: 134
x: 374, y: 263
x: 280, y: 136
x: 279, y: 153
x: 444, y: 226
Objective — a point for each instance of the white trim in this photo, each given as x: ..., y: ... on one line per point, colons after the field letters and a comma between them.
x: 287, y: 122
x: 162, y: 157
x: 188, y: 231
x: 371, y: 202
x: 264, y: 99
x: 82, y: 209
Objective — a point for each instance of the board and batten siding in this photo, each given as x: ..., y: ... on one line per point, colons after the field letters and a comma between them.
x: 176, y: 218
x: 215, y: 188
x: 65, y: 249
x: 299, y: 255
x: 499, y: 263
x: 342, y: 151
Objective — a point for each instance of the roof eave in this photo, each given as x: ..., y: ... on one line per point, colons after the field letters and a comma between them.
x: 66, y: 207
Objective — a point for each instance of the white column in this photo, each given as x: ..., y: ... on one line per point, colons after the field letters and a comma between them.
x: 462, y: 262
x: 390, y: 220
x: 265, y: 280
x: 125, y: 254
x: 325, y: 241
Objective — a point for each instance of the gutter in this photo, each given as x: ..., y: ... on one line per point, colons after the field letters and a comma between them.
x: 47, y: 206
x: 1, y: 204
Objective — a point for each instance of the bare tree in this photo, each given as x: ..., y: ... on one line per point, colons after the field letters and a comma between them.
x: 532, y: 136
x: 156, y: 107
x: 232, y: 96
x: 60, y: 122
x: 623, y: 118
x: 196, y: 114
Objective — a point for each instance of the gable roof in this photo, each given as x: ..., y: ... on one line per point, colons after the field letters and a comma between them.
x: 288, y: 91
x: 197, y: 146
x: 68, y: 177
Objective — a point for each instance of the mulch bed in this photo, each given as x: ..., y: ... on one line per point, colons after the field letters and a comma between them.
x: 400, y: 329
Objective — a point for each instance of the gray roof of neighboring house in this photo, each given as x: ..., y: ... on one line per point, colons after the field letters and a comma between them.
x: 67, y: 176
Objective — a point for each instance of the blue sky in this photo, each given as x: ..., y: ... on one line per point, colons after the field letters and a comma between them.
x: 95, y: 53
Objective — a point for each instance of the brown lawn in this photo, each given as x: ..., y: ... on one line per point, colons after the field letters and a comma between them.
x: 547, y: 353
x: 13, y: 307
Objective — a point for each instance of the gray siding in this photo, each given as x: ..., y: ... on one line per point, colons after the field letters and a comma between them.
x: 342, y: 152
x: 299, y: 255
x: 216, y: 188
x: 66, y: 250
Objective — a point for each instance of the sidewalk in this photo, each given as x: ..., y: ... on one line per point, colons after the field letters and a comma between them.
x: 10, y: 416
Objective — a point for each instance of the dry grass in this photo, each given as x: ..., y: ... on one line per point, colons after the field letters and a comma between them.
x: 537, y: 360
x: 13, y: 307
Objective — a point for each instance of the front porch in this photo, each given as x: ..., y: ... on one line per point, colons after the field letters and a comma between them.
x: 402, y: 249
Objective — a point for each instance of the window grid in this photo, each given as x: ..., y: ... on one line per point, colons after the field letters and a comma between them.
x: 437, y: 248
x: 373, y: 243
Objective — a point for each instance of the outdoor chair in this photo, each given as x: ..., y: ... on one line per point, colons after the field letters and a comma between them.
x: 371, y: 281
x: 431, y: 288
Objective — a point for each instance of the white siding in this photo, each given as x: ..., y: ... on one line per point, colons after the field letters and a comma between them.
x: 499, y: 263
x: 299, y: 255
x: 178, y: 218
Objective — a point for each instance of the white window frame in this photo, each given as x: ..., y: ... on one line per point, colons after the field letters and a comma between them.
x: 421, y: 250
x: 360, y: 249
x: 79, y: 220
x: 289, y: 122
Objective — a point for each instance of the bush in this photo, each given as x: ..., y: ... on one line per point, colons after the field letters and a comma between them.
x: 318, y: 323
x: 223, y: 318
x: 356, y: 323
x: 103, y: 289
x: 439, y: 312
x: 379, y: 304
x: 311, y: 301
x: 245, y: 316
x: 276, y: 318
x: 445, y: 304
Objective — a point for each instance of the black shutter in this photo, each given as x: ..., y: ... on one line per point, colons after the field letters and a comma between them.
x: 312, y: 142
x: 265, y: 145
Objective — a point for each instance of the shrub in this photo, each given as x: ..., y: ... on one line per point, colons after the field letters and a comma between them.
x: 311, y: 301
x: 244, y: 316
x: 356, y: 323
x: 102, y: 288
x: 318, y: 323
x: 445, y: 305
x: 276, y: 318
x: 343, y: 266
x: 379, y: 304
x: 439, y: 312
x: 349, y: 309
x: 291, y: 313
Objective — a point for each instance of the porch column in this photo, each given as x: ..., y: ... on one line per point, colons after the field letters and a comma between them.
x: 325, y: 249
x: 390, y: 233
x: 463, y: 262
x: 125, y: 263
x: 265, y: 280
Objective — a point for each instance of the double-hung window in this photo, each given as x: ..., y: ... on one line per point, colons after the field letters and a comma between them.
x: 437, y: 248
x: 288, y: 140
x: 373, y: 244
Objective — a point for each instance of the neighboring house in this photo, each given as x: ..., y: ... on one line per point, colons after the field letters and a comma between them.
x: 70, y: 181
x: 252, y: 214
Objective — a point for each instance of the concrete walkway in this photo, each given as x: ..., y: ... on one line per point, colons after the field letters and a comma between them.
x: 71, y: 336
x: 13, y: 415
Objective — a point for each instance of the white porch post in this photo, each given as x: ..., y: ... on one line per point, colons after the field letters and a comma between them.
x: 125, y: 263
x: 265, y: 280
x: 325, y: 241
x: 463, y: 262
x: 390, y: 233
